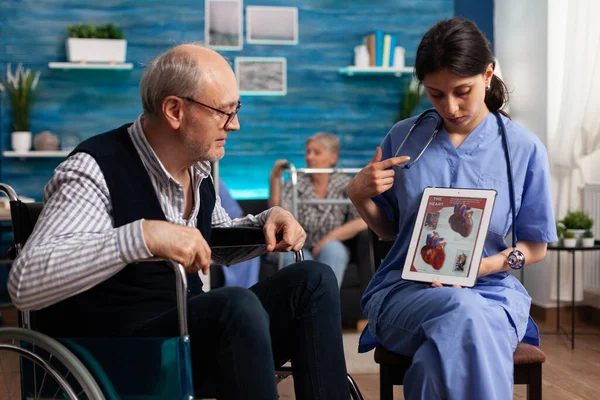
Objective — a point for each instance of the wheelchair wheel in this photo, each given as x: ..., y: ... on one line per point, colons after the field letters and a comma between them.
x: 35, y: 366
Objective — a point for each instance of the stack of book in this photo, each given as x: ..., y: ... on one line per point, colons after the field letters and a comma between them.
x: 381, y: 48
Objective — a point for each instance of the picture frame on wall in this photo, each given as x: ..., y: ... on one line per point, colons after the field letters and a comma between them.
x: 261, y: 76
x: 271, y: 25
x: 223, y: 24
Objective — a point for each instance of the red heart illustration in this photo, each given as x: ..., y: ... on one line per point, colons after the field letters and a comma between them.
x: 433, y: 251
x: 461, y: 221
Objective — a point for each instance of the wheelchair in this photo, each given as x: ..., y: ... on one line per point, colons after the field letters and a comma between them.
x: 36, y: 366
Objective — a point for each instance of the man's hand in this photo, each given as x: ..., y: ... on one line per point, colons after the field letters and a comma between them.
x: 182, y: 244
x: 375, y: 178
x: 282, y: 223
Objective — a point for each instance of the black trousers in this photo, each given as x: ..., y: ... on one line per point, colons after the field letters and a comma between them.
x: 239, y: 335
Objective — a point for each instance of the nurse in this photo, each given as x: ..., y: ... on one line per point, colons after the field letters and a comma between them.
x: 461, y: 339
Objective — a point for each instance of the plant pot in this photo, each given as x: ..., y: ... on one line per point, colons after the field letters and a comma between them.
x: 45, y: 141
x: 577, y: 232
x: 587, y: 242
x: 96, y: 50
x: 569, y: 242
x: 21, y: 141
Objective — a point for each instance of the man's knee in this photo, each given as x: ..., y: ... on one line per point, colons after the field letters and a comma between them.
x: 239, y: 307
x: 314, y: 275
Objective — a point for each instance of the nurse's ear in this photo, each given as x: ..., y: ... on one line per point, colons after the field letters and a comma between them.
x: 488, y: 74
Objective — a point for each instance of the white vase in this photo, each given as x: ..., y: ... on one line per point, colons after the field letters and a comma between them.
x: 587, y: 242
x: 21, y: 141
x: 399, y: 54
x: 569, y: 242
x: 361, y: 56
x: 96, y: 50
x: 577, y: 232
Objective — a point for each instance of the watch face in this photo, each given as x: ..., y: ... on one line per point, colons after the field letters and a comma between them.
x: 516, y: 259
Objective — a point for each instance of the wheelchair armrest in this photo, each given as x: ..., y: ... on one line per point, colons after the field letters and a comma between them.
x: 236, y: 236
x: 234, y: 245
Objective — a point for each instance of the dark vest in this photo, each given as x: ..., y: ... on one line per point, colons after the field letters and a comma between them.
x: 140, y: 291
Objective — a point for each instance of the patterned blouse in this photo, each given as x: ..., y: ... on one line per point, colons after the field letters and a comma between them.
x: 320, y: 219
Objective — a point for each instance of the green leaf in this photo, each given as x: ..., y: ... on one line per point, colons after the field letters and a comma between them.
x: 412, y: 97
x: 20, y: 87
x: 89, y: 31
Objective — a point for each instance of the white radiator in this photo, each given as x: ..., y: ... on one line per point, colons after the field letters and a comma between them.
x: 591, y: 259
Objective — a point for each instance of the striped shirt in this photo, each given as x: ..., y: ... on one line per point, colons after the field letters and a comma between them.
x: 75, y: 245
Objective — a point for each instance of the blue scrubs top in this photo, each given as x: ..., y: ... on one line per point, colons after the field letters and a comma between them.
x: 479, y: 162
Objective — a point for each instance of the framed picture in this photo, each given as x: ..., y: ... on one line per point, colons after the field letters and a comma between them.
x: 223, y: 24
x: 261, y: 76
x: 271, y: 25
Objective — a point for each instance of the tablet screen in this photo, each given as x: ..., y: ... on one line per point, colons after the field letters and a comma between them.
x: 447, y: 235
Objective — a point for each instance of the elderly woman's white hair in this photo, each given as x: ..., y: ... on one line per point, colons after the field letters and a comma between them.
x: 328, y: 140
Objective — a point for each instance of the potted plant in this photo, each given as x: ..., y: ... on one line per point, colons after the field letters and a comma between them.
x: 412, y: 95
x: 569, y: 239
x: 587, y: 240
x: 102, y: 43
x: 560, y: 232
x: 21, y: 87
x: 577, y: 222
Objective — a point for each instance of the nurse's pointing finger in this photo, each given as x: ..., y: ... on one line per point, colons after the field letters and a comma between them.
x: 390, y: 162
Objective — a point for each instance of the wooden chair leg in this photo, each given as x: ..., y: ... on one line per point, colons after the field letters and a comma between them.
x: 534, y: 388
x: 386, y: 386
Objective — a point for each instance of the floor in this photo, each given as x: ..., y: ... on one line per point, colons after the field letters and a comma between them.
x: 567, y: 374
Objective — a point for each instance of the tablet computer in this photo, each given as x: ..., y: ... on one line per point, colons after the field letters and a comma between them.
x: 449, y: 236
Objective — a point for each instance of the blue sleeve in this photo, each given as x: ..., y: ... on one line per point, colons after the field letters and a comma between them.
x: 227, y: 202
x: 387, y: 201
x: 535, y: 220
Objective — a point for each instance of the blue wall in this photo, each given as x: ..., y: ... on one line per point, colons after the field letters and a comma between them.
x: 479, y: 11
x: 359, y: 109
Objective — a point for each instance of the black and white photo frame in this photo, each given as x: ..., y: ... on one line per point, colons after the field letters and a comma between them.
x: 271, y: 25
x: 223, y: 24
x: 261, y: 76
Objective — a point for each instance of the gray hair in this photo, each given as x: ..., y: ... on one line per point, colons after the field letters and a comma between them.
x: 173, y: 73
x: 328, y: 140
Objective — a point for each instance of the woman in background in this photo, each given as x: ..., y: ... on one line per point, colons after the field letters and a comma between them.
x: 326, y: 225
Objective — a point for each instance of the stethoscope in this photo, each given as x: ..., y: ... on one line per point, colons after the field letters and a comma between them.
x: 516, y: 258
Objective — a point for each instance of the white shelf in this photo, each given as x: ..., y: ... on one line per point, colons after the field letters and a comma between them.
x: 36, y: 153
x: 352, y: 70
x: 90, y: 66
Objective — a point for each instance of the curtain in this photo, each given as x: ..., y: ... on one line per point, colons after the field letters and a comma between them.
x: 578, y: 130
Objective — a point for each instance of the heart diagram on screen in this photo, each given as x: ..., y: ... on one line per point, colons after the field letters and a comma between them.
x: 433, y: 251
x: 461, y: 220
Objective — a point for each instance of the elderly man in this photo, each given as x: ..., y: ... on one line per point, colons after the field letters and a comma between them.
x: 144, y: 190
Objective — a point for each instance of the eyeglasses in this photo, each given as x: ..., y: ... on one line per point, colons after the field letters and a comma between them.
x: 230, y: 115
